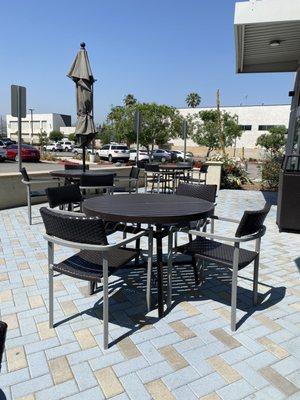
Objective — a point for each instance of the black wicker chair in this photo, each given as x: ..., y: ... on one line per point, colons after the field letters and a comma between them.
x: 64, y: 197
x: 97, y: 183
x: 29, y: 182
x: 3, y: 330
x: 96, y: 260
x: 207, y: 248
x: 132, y: 179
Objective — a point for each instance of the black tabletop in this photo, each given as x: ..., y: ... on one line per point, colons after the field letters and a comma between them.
x: 77, y: 173
x: 148, y: 208
x: 175, y: 167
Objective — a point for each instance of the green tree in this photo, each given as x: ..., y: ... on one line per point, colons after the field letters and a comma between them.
x: 43, y: 140
x: 215, y: 130
x: 193, y: 100
x: 72, y: 137
x: 129, y: 100
x: 273, y: 141
x: 56, y: 136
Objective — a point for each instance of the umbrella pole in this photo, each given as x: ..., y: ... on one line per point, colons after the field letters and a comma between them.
x: 83, y: 158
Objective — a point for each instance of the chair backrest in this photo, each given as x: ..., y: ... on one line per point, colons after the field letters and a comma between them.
x: 24, y: 174
x: 76, y: 166
x: 3, y: 330
x: 252, y: 221
x: 79, y: 229
x: 134, y: 173
x: 97, y: 180
x: 152, y: 167
x: 141, y: 164
x: 204, y: 192
x: 58, y: 196
x: 204, y: 169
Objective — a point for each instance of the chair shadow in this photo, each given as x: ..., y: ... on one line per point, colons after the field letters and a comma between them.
x: 130, y: 287
x: 297, y: 262
x: 270, y: 197
x: 2, y: 395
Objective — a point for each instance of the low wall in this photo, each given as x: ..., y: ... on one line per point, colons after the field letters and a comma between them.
x: 13, y: 191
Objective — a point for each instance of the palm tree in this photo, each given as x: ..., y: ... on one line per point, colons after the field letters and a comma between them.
x: 193, y: 100
x: 129, y: 100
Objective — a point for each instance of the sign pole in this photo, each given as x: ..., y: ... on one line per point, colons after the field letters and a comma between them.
x: 184, y: 128
x: 19, y: 130
x: 137, y: 130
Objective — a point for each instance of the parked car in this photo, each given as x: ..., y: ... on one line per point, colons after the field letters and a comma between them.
x: 161, y: 155
x: 78, y: 150
x: 28, y: 153
x: 113, y: 152
x: 2, y: 155
x: 4, y: 142
x: 53, y: 147
x: 179, y: 155
x: 143, y: 155
x: 67, y: 145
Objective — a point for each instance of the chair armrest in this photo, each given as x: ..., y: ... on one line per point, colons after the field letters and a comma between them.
x: 235, y: 221
x: 38, y: 181
x: 95, y: 247
x: 233, y: 239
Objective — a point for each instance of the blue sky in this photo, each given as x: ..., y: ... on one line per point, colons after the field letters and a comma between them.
x: 159, y: 50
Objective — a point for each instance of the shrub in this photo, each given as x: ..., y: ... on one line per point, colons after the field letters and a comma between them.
x: 234, y: 174
x: 270, y: 170
x: 56, y: 136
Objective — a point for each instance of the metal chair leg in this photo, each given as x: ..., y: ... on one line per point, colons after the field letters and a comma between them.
x: 255, y: 280
x: 105, y: 302
x: 149, y: 269
x: 50, y: 271
x: 234, y: 287
x: 195, y: 268
x: 29, y: 205
x: 170, y: 265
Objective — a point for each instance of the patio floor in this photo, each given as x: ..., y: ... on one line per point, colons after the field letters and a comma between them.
x: 189, y: 354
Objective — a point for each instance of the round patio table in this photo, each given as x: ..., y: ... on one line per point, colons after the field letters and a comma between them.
x: 154, y: 209
x: 175, y: 167
x: 75, y: 174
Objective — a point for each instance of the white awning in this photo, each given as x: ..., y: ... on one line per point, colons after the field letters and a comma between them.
x: 267, y: 34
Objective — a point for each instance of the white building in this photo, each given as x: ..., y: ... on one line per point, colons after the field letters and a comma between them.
x: 39, y: 123
x: 254, y: 121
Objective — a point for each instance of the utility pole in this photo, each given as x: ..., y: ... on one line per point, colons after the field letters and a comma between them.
x: 31, y: 124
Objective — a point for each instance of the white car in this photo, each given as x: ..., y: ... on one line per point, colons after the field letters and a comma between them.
x: 180, y: 155
x: 143, y: 155
x: 53, y: 147
x: 67, y: 145
x: 113, y: 152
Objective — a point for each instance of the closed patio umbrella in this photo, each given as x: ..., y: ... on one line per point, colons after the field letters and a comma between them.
x: 81, y: 73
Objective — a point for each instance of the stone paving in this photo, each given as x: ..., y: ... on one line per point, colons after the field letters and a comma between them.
x: 189, y: 354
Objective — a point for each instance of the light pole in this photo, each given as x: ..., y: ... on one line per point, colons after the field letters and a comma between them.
x: 31, y: 123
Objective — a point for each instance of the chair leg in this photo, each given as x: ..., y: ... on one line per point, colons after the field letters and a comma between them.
x: 50, y: 270
x: 170, y: 265
x: 201, y: 271
x: 29, y: 206
x: 255, y: 280
x: 137, y: 247
x: 105, y: 303
x: 195, y: 268
x: 149, y: 269
x: 234, y: 288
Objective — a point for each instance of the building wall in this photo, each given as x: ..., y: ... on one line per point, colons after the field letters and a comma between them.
x: 41, y: 123
x: 258, y: 117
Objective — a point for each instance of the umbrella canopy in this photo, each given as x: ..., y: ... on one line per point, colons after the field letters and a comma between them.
x: 81, y: 73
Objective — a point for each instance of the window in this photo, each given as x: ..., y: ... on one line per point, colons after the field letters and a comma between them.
x: 265, y: 127
x: 106, y: 147
x: 245, y: 127
x: 119, y: 148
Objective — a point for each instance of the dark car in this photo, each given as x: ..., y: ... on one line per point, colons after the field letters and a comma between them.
x: 28, y: 153
x: 161, y: 155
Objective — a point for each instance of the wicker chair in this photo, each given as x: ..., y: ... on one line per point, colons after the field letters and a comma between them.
x: 97, y: 183
x: 96, y: 260
x: 132, y: 179
x: 29, y: 182
x: 207, y: 248
x: 64, y: 197
x: 3, y: 330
